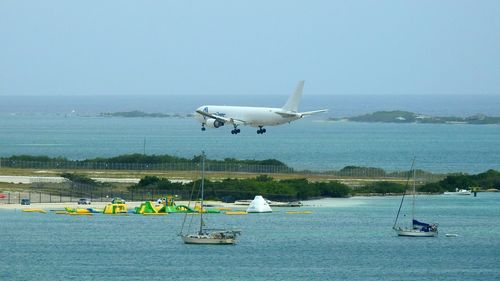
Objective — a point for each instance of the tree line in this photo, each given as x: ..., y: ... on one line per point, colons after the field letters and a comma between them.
x: 298, y: 189
x: 302, y: 189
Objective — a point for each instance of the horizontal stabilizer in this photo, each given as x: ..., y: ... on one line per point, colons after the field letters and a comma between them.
x: 288, y: 114
x: 307, y: 113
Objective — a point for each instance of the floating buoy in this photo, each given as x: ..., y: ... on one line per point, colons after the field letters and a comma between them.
x: 154, y: 214
x: 236, y: 213
x: 80, y: 214
x: 451, y: 235
x: 35, y: 211
x: 299, y: 212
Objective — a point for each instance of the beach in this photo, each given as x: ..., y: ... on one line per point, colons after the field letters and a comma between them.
x: 101, y: 205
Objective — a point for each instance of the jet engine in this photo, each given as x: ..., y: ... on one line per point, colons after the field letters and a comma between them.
x: 214, y: 123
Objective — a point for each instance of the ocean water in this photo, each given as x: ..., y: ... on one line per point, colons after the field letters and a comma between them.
x: 343, y: 239
x: 57, y: 126
x: 338, y: 105
x: 305, y: 144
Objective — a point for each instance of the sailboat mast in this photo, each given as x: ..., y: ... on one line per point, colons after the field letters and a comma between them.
x: 414, y: 196
x: 202, y: 189
x: 404, y: 193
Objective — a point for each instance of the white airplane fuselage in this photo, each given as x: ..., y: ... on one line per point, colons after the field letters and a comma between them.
x: 215, y: 116
x: 253, y: 116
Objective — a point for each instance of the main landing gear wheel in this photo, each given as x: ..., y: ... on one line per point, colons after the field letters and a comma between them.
x: 203, y: 127
x: 261, y: 130
x: 235, y: 131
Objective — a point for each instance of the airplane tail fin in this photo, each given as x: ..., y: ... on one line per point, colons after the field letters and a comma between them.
x: 293, y: 101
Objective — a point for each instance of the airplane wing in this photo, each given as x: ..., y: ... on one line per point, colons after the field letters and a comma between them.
x: 221, y: 119
x: 307, y: 113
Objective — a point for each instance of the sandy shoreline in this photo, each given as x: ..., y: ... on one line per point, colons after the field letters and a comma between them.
x: 100, y: 205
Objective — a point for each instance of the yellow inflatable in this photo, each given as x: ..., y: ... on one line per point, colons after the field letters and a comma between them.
x: 115, y: 209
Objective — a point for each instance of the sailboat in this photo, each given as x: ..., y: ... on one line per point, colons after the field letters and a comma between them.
x: 418, y: 228
x: 205, y: 235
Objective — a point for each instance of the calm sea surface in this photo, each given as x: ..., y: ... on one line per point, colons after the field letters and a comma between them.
x: 304, y: 144
x: 343, y: 239
x: 54, y: 126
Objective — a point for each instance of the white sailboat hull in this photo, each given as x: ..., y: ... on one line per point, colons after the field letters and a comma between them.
x: 204, y: 239
x: 415, y: 233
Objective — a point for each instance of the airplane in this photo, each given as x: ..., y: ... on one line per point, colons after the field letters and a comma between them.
x: 215, y: 116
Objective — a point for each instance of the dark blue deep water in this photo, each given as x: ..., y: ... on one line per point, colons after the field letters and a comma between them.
x: 343, y: 239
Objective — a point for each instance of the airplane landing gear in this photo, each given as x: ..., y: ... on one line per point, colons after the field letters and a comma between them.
x: 235, y: 131
x: 203, y: 127
x: 261, y: 130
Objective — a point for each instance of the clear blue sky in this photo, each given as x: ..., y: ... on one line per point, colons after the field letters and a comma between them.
x: 249, y: 47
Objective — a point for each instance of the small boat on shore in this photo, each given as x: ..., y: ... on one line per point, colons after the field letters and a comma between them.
x: 271, y: 203
x: 458, y: 192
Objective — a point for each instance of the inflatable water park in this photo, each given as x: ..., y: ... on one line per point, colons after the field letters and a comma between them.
x: 163, y: 206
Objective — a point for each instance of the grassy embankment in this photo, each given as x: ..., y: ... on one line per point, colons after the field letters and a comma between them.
x: 178, y: 175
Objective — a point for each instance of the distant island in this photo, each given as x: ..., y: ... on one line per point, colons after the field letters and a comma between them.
x: 136, y: 113
x: 398, y: 116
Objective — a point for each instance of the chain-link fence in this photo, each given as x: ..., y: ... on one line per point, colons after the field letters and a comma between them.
x: 224, y: 169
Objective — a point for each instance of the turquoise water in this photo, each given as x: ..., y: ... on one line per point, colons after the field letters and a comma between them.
x: 305, y: 144
x: 343, y: 239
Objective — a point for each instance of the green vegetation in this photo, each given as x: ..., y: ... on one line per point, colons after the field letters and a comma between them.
x: 151, y: 187
x: 486, y: 180
x: 382, y: 187
x: 145, y: 162
x: 387, y: 116
x: 399, y: 116
x: 291, y: 189
x: 356, y: 170
x: 79, y: 179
